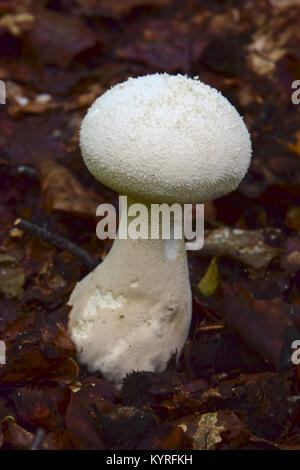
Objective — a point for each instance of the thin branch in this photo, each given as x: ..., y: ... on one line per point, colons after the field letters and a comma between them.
x: 38, y: 440
x: 210, y: 328
x: 58, y: 241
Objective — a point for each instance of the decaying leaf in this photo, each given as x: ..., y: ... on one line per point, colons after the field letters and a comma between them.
x: 167, y: 436
x: 248, y: 247
x: 63, y: 192
x: 21, y: 101
x: 295, y: 146
x: 10, y: 310
x: 34, y: 366
x: 267, y: 327
x: 56, y: 37
x: 292, y: 219
x: 208, y: 431
x: 270, y: 41
x: 160, y: 53
x: 210, y: 281
x: 291, y: 257
x: 12, y: 276
x: 41, y: 406
x: 18, y: 436
x: 82, y: 428
x: 17, y: 24
x: 236, y: 386
x: 118, y: 8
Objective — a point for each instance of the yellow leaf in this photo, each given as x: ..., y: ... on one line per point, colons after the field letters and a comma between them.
x: 210, y: 281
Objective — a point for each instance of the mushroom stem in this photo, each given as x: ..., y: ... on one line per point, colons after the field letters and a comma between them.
x: 133, y: 311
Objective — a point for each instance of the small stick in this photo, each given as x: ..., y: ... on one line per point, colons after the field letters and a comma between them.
x: 58, y: 241
x: 38, y: 439
x: 209, y: 328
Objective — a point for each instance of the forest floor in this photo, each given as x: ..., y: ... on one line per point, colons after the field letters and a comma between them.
x: 236, y: 386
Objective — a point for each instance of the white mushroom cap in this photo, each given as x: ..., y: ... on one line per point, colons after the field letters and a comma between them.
x: 163, y: 138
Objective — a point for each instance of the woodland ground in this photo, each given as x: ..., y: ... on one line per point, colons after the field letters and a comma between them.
x: 235, y: 387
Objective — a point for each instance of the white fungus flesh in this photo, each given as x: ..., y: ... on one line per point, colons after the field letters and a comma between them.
x: 157, y: 139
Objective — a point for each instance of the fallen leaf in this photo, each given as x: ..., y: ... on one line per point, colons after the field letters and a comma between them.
x: 12, y: 276
x: 118, y: 8
x: 18, y: 436
x: 17, y: 24
x: 56, y: 37
x: 281, y: 4
x: 210, y: 430
x: 10, y: 310
x: 291, y: 256
x: 292, y: 218
x: 41, y: 407
x: 63, y: 192
x: 34, y: 366
x: 268, y: 328
x: 20, y: 101
x: 167, y: 436
x: 82, y: 428
x: 164, y: 46
x: 210, y: 281
x: 270, y: 42
x: 99, y: 392
x: 263, y: 401
x: 295, y: 147
x: 249, y: 247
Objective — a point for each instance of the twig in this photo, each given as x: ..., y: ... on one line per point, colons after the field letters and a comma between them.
x: 58, y: 241
x: 38, y: 439
x: 209, y: 328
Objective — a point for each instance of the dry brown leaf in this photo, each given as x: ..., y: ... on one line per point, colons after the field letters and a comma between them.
x: 271, y: 40
x: 83, y: 430
x: 291, y: 257
x: 284, y: 3
x: 63, y: 192
x: 244, y: 246
x: 295, y: 147
x: 268, y: 328
x: 12, y: 276
x: 17, y: 24
x: 18, y: 436
x: 21, y: 101
x: 292, y: 218
x: 210, y: 430
x: 56, y: 37
x: 118, y: 8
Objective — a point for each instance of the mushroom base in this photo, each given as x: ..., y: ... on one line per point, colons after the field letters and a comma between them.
x: 133, y: 311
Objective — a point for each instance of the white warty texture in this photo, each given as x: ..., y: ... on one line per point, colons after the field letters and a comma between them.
x: 164, y: 138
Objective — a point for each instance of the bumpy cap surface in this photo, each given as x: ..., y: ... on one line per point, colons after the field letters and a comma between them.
x: 163, y: 138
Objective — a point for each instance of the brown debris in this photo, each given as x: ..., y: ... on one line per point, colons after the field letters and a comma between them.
x: 235, y: 387
x: 244, y: 246
x: 63, y: 192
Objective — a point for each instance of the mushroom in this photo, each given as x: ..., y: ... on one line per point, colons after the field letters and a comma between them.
x: 156, y: 139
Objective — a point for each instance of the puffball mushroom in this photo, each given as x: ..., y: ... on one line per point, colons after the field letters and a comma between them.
x: 157, y: 139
